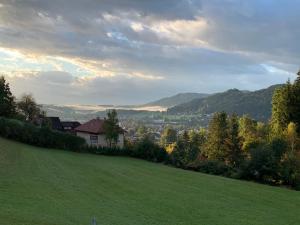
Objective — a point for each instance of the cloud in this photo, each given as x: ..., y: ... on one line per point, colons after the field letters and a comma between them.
x: 146, y: 49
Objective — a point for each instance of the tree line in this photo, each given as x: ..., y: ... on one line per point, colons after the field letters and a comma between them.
x: 240, y: 147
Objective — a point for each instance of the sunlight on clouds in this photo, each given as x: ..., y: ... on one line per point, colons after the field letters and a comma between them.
x: 82, y: 67
x: 186, y: 32
x: 137, y: 27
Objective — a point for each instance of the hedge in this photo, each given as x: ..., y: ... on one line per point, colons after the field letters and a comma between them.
x: 42, y: 137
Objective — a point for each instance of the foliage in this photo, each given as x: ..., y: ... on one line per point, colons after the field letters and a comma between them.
x: 281, y: 112
x: 214, y: 167
x: 265, y: 161
x: 187, y: 148
x: 168, y: 136
x: 216, y: 137
x: 233, y: 143
x: 44, y: 137
x: 29, y: 108
x: 7, y: 100
x: 145, y: 148
x: 292, y: 136
x: 111, y: 128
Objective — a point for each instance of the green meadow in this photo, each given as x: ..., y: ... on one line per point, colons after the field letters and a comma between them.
x: 52, y: 187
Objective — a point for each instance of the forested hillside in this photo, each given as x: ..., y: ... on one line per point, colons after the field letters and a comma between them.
x: 257, y: 104
x: 176, y: 99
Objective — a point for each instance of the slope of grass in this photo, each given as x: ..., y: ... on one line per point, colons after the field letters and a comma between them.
x: 43, y: 187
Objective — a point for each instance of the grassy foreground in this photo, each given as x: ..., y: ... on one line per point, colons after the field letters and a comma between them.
x: 43, y: 187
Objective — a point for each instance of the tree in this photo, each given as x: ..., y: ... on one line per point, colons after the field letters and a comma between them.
x: 248, y: 132
x: 233, y: 143
x: 7, y: 100
x: 286, y: 107
x: 216, y: 137
x: 179, y: 155
x: 292, y: 136
x: 111, y: 128
x: 169, y: 136
x: 29, y: 108
x: 142, y: 132
x: 294, y: 103
x: 281, y: 109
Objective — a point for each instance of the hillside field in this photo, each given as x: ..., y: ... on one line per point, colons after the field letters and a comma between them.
x: 51, y: 187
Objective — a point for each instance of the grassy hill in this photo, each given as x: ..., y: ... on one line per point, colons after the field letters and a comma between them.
x: 257, y: 104
x: 52, y: 187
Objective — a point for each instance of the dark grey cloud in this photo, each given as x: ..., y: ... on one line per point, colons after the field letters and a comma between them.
x: 196, y: 45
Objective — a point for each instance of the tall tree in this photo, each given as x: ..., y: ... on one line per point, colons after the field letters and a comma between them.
x: 216, y: 137
x: 233, y: 143
x: 169, y: 136
x: 7, y: 100
x: 111, y: 128
x: 294, y: 103
x: 292, y: 136
x: 281, y: 109
x: 29, y: 108
x: 180, y: 154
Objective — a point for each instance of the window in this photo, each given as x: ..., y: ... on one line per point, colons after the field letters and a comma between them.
x: 94, y: 139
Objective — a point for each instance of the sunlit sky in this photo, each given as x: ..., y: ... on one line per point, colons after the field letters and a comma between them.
x: 135, y: 51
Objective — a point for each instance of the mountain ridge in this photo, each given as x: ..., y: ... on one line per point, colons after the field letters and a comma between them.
x: 176, y: 99
x: 256, y: 104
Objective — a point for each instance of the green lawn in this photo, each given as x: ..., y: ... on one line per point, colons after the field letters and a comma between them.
x: 41, y: 187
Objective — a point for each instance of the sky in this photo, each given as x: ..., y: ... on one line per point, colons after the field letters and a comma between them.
x: 136, y: 51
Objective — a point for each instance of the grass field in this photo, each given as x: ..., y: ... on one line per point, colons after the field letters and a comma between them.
x: 43, y: 187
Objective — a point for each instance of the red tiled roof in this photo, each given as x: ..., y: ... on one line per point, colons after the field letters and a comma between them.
x: 94, y: 126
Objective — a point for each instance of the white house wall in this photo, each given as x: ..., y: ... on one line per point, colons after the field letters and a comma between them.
x: 101, y: 139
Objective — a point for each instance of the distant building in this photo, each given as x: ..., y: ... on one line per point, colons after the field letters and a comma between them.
x: 94, y: 134
x: 55, y: 123
x: 69, y: 126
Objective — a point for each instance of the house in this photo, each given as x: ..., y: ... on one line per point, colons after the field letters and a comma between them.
x: 94, y: 134
x: 55, y: 123
x: 69, y: 126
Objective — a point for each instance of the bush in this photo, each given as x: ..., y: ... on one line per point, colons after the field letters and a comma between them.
x: 146, y: 149
x: 290, y: 171
x: 212, y: 167
x: 43, y: 137
x: 108, y: 151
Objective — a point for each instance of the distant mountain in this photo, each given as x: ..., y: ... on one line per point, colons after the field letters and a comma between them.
x: 257, y: 104
x: 176, y: 99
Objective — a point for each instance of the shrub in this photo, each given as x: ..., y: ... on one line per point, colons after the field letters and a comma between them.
x: 43, y: 137
x: 212, y: 167
x: 147, y: 149
x: 108, y: 151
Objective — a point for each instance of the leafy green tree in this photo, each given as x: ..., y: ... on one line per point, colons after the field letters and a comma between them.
x: 292, y: 136
x: 281, y: 109
x: 179, y: 155
x: 294, y: 103
x: 29, y: 108
x: 7, y: 100
x: 111, y: 128
x: 233, y: 143
x: 169, y: 136
x: 142, y: 132
x: 216, y: 137
x: 197, y: 140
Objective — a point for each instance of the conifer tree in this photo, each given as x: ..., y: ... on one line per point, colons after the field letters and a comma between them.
x: 111, y: 128
x: 7, y: 100
x: 216, y: 137
x: 233, y: 143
